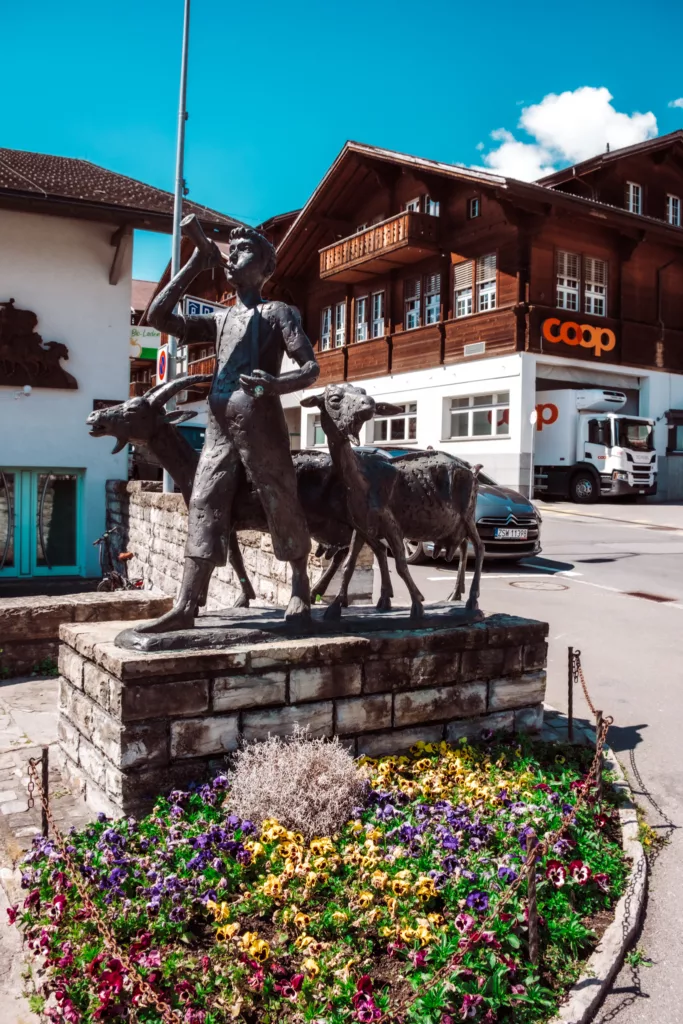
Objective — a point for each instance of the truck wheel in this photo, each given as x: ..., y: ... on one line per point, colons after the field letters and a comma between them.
x: 583, y: 488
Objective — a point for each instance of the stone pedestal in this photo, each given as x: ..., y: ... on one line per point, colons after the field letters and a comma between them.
x: 134, y: 725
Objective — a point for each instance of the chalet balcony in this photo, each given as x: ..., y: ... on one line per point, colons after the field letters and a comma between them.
x: 138, y: 388
x: 407, y: 238
x: 207, y: 365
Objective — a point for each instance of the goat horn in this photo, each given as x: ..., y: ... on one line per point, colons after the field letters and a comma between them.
x: 159, y: 395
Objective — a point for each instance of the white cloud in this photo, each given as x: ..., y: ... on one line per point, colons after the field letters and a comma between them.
x: 677, y: 103
x: 566, y: 129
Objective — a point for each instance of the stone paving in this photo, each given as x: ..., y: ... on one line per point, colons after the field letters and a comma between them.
x: 28, y: 720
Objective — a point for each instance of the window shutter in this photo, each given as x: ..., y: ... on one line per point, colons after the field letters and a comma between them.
x: 463, y: 275
x: 596, y: 271
x: 486, y: 268
x: 433, y: 284
x: 412, y: 288
x: 568, y: 265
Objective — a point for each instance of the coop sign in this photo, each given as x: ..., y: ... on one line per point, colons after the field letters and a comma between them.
x: 599, y: 339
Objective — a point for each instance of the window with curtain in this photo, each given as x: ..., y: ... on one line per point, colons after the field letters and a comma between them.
x: 595, y: 286
x: 568, y: 279
x: 463, y: 276
x: 339, y: 324
x: 362, y: 318
x: 486, y: 283
x: 326, y: 328
x: 378, y: 315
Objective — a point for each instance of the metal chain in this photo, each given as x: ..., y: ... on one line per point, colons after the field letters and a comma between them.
x: 32, y: 762
x: 168, y: 1015
x: 542, y: 849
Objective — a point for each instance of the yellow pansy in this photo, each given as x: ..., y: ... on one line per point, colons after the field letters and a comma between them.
x: 338, y: 917
x: 365, y: 899
x: 391, y: 905
x: 248, y: 938
x: 425, y: 889
x: 301, y: 921
x: 227, y: 931
x: 400, y: 887
x: 304, y: 941
x: 255, y: 848
x: 322, y: 846
x: 260, y: 950
x: 407, y: 934
x: 311, y: 967
x: 379, y: 879
x: 272, y: 886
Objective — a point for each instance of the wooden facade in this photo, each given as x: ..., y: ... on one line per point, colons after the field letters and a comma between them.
x: 409, y: 230
x: 380, y: 221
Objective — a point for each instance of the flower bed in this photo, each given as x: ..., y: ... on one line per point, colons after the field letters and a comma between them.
x: 415, y: 911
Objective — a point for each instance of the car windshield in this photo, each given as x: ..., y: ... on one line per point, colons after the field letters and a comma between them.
x: 635, y: 435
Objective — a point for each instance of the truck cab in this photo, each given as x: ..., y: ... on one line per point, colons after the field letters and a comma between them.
x: 585, y: 448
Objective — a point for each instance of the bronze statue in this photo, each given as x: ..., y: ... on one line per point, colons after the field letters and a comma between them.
x: 246, y: 431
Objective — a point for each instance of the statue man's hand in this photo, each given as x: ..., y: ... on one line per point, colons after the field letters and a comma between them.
x: 259, y: 383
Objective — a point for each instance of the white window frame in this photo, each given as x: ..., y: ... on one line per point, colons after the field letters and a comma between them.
x: 378, y: 301
x: 361, y: 327
x: 412, y: 302
x: 634, y: 197
x: 487, y: 275
x: 340, y: 324
x: 432, y: 206
x: 473, y: 208
x: 463, y: 290
x: 412, y: 206
x: 568, y: 280
x: 325, y: 328
x: 673, y: 210
x: 432, y: 299
x: 468, y: 405
x: 595, y: 286
x: 316, y: 426
x: 383, y: 425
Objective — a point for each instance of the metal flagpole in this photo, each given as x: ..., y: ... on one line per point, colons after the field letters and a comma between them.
x: 178, y: 204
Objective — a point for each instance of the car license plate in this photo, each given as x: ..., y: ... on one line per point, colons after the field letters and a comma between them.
x: 509, y: 533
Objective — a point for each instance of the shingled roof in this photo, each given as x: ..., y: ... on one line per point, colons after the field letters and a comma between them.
x: 80, y: 188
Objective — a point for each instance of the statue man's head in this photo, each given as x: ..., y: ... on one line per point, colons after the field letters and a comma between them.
x: 251, y: 260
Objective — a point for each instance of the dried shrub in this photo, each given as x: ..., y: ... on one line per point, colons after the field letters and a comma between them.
x: 308, y: 785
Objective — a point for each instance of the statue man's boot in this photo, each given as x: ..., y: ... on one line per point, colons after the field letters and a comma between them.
x: 196, y: 576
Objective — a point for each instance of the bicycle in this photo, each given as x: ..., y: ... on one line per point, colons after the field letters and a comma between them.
x: 112, y: 579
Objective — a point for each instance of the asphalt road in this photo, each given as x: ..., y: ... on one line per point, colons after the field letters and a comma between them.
x: 593, y: 560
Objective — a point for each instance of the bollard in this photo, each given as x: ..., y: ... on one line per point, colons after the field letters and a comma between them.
x: 45, y: 765
x: 531, y: 897
x: 570, y: 694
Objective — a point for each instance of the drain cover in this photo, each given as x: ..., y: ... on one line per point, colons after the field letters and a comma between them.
x: 541, y: 585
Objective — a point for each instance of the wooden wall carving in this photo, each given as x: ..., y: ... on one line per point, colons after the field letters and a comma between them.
x: 24, y: 357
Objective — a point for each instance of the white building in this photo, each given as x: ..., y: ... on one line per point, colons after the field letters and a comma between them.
x: 66, y: 230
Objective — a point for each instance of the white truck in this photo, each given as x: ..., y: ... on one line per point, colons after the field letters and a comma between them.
x: 585, y: 449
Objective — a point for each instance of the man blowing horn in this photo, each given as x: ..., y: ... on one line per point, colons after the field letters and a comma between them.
x: 246, y: 428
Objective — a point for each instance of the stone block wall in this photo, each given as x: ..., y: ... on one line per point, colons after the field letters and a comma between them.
x: 29, y: 626
x: 133, y: 725
x: 154, y: 527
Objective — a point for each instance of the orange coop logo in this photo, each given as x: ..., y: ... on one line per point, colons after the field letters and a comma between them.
x: 600, y: 339
x: 547, y: 413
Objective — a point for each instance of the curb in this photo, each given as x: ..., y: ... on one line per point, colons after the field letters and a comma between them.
x: 586, y: 995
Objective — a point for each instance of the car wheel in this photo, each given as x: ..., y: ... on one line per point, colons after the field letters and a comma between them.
x: 583, y: 488
x: 415, y: 552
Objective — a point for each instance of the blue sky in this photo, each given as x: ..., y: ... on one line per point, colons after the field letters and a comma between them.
x: 276, y: 89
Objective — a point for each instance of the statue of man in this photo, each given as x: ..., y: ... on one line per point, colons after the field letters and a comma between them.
x: 246, y: 428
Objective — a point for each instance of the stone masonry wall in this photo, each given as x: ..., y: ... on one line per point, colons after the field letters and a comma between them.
x: 132, y: 726
x: 29, y: 626
x: 154, y: 527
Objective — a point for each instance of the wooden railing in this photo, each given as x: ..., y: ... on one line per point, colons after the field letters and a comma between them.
x: 406, y: 229
x: 207, y: 365
x: 138, y: 388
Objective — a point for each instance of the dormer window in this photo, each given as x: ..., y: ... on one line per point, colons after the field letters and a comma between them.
x: 634, y: 197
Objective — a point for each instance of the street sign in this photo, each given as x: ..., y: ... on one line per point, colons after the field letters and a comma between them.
x: 199, y: 307
x: 162, y: 365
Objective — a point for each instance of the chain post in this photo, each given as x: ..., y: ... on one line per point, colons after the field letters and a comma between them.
x: 599, y: 741
x: 45, y: 764
x: 570, y: 694
x: 532, y: 906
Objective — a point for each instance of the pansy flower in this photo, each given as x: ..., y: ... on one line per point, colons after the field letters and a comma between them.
x: 556, y: 873
x: 579, y: 871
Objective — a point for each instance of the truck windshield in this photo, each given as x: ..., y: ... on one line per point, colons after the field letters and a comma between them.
x: 638, y: 436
